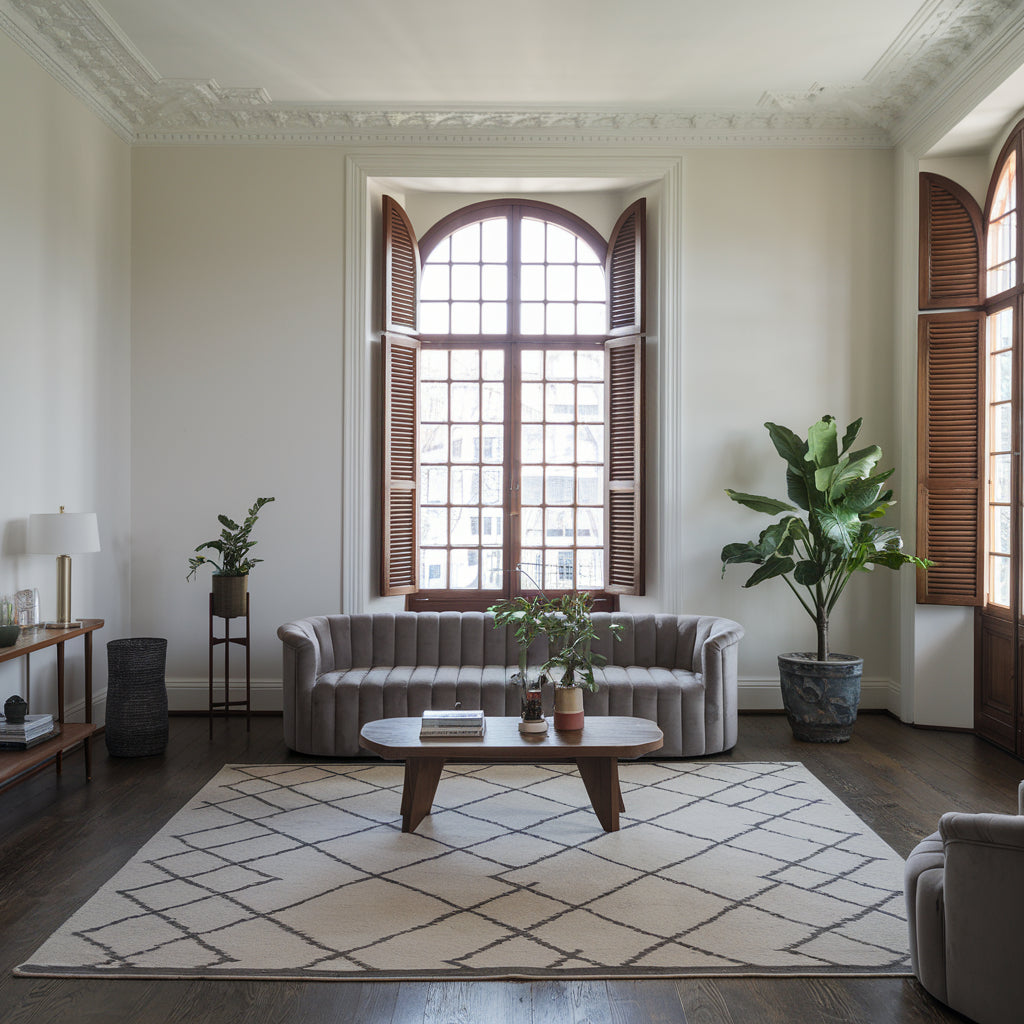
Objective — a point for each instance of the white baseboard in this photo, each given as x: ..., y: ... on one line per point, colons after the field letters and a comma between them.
x: 765, y: 695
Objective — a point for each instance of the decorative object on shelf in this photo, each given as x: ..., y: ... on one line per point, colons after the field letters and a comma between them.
x: 437, y: 723
x: 63, y: 534
x: 231, y: 573
x: 9, y: 628
x: 15, y: 709
x: 565, y: 621
x: 816, y: 554
x: 26, y: 607
x: 136, y: 723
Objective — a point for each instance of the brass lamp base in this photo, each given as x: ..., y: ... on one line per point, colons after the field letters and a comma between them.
x: 77, y: 624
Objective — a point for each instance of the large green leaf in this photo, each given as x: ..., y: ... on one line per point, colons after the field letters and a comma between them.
x: 851, y: 435
x: 772, y: 568
x: 743, y: 552
x: 864, y: 495
x: 840, y: 528
x: 788, y: 445
x: 822, y: 447
x: 770, y: 506
x: 797, y: 489
x: 808, y: 573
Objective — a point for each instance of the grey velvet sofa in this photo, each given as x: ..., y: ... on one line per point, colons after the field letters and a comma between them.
x: 341, y: 671
x: 964, y: 889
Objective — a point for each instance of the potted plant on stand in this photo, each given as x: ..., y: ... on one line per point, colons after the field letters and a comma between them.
x: 231, y: 573
x: 827, y: 535
x: 566, y: 622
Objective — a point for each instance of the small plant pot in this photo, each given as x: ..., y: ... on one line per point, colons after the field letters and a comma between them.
x: 229, y: 595
x: 821, y: 697
x: 568, y: 708
x: 9, y: 635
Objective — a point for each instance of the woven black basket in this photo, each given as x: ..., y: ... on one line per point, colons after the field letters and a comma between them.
x: 136, y: 724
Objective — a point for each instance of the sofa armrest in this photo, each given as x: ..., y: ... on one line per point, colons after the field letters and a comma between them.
x: 1020, y: 799
x: 719, y: 666
x: 1004, y: 830
x: 301, y: 666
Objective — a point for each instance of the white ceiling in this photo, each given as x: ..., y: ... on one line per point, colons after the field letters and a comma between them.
x: 840, y: 71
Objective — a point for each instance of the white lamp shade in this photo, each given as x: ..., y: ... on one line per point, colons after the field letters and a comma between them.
x: 63, y: 533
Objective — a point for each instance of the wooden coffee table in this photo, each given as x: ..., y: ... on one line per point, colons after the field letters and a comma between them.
x: 596, y: 749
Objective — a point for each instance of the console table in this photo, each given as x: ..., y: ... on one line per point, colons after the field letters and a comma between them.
x: 18, y: 765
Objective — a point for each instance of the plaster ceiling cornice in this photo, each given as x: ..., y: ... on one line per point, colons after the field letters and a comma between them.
x: 87, y: 52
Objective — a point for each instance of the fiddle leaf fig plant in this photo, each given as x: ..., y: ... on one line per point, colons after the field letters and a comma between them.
x: 233, y: 546
x: 828, y: 532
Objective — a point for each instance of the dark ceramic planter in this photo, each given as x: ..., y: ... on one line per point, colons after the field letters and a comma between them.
x: 229, y: 595
x: 821, y: 697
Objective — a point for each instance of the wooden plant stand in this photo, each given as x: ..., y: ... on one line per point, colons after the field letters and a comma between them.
x: 227, y: 640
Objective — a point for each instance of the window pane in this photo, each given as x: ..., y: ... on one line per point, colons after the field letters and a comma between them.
x: 531, y: 317
x: 465, y: 525
x: 558, y: 570
x: 558, y: 526
x: 591, y: 318
x: 533, y: 526
x: 492, y: 575
x: 532, y: 241
x: 495, y: 240
x: 560, y: 445
x: 493, y: 364
x: 999, y: 529
x: 1002, y: 428
x: 465, y: 318
x: 433, y: 364
x: 999, y: 581
x: 434, y: 399
x: 532, y: 439
x: 532, y: 485
x: 1002, y: 376
x: 466, y: 282
x: 466, y: 244
x: 491, y: 485
x: 465, y: 485
x: 493, y: 318
x: 434, y: 485
x: 590, y: 485
x: 492, y: 527
x: 559, y: 485
x: 560, y: 365
x: 465, y: 446
x: 494, y: 283
x: 1001, y: 477
x: 531, y: 565
x: 493, y: 402
x: 1000, y: 330
x: 434, y: 318
x: 590, y: 403
x: 531, y: 284
x: 561, y: 402
x: 561, y: 245
x: 433, y: 443
x: 465, y: 403
x: 434, y: 526
x: 466, y: 364
x: 465, y: 567
x: 590, y: 364
x: 561, y: 318
x: 532, y: 398
x: 590, y: 443
x: 590, y: 284
x: 561, y: 283
x: 434, y: 282
x: 590, y: 569
x: 493, y: 443
x: 590, y: 527
x: 433, y: 568
x: 532, y: 363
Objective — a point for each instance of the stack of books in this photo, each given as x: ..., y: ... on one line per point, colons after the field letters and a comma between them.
x: 22, y: 735
x: 452, y: 723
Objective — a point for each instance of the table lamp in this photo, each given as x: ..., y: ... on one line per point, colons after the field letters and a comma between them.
x: 63, y: 534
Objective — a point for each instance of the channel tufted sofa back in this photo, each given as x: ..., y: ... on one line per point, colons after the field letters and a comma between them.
x: 341, y: 671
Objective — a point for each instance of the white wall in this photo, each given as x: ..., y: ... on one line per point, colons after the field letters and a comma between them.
x: 64, y: 343
x: 236, y: 384
x: 785, y: 273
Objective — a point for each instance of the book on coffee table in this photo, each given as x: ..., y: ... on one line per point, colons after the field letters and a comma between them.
x: 453, y: 723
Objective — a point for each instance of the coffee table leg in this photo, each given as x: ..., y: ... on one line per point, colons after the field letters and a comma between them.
x: 421, y: 777
x: 601, y: 777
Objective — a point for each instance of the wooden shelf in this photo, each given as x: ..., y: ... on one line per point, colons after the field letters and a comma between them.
x: 18, y: 765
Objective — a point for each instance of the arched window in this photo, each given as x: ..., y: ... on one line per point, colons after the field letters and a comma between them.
x: 523, y: 390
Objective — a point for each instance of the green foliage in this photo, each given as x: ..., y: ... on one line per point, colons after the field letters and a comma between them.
x: 840, y: 494
x: 566, y: 622
x: 233, y: 546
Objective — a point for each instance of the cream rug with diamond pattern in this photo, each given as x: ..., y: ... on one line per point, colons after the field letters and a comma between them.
x: 302, y: 871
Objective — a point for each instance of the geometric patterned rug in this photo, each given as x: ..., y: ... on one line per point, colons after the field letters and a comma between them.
x: 303, y: 872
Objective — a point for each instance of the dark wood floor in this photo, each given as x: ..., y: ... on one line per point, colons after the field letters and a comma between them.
x: 61, y: 838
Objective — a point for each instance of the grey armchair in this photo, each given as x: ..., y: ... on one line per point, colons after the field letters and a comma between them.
x: 965, y: 907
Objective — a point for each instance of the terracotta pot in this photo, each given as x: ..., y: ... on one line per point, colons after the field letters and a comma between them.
x: 568, y: 707
x: 229, y: 594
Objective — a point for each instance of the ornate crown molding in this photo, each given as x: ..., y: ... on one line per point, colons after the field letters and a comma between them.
x: 80, y: 46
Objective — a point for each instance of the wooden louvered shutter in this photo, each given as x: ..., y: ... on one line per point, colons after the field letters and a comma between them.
x: 950, y: 262
x: 951, y: 457
x: 400, y: 434
x: 624, y: 404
